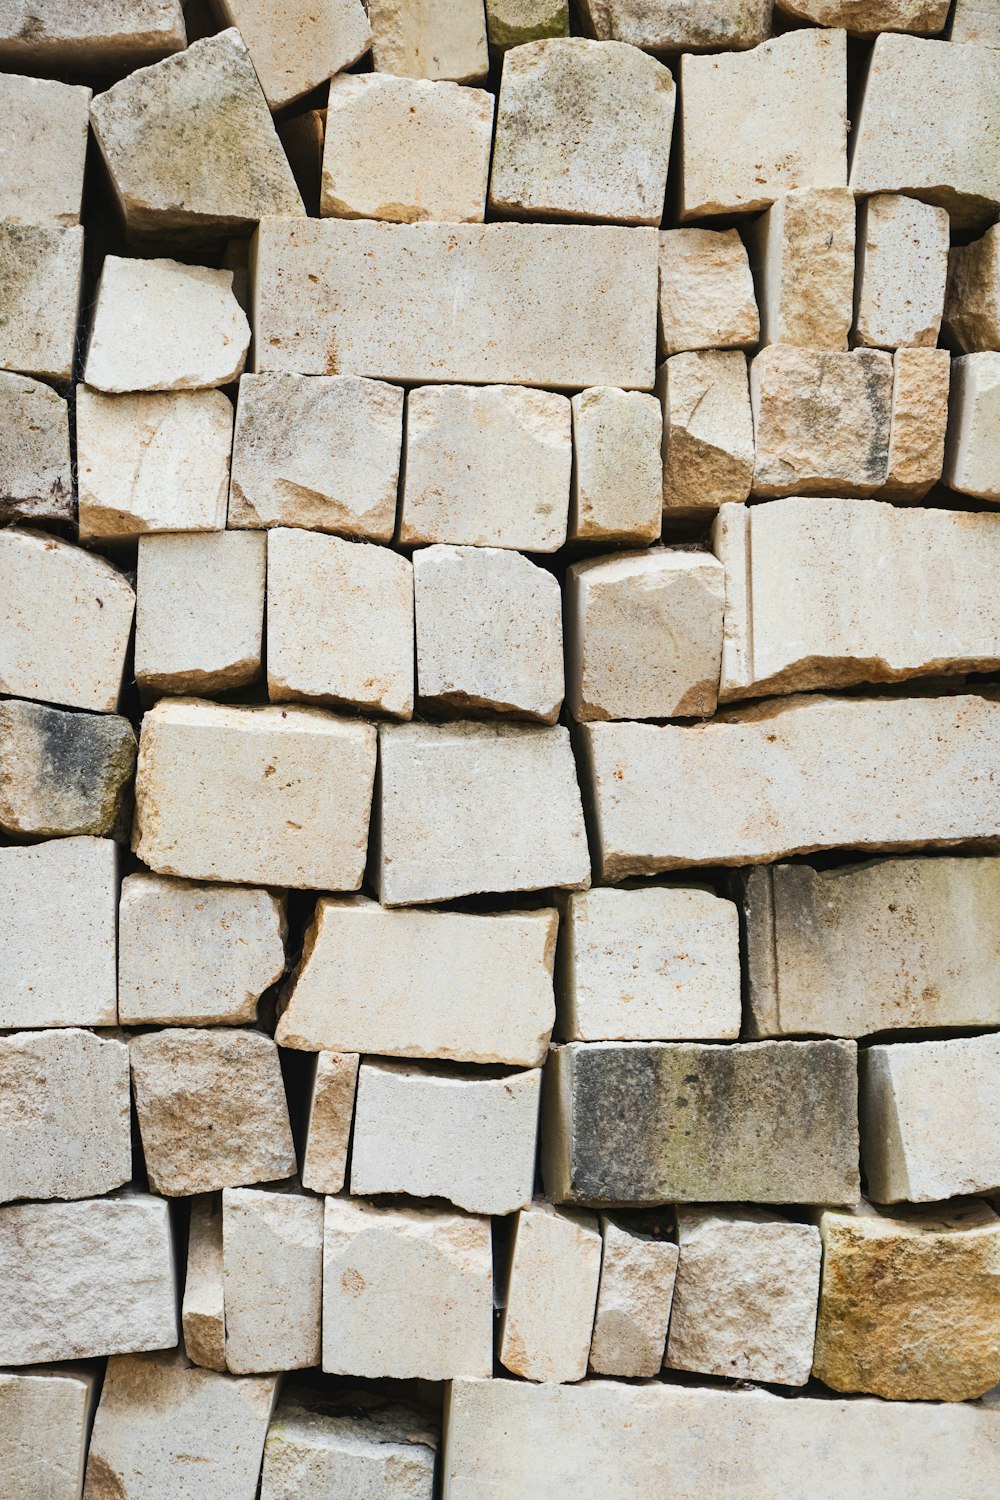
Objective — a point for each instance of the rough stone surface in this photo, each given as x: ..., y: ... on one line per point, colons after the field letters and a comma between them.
x: 706, y: 291
x: 510, y: 23
x: 36, y: 482
x: 64, y: 773
x: 40, y: 270
x: 46, y: 124
x: 212, y: 1109
x: 301, y: 44
x: 633, y: 1303
x: 920, y: 384
x: 328, y: 1125
x: 555, y: 1269
x: 207, y: 807
x: 975, y: 21
x: 867, y: 18
x: 429, y: 38
x: 972, y: 298
x: 203, y: 1314
x: 708, y: 452
x: 699, y: 26
x: 682, y: 1122
x: 468, y: 986
x: 902, y: 270
x: 273, y: 1278
x: 617, y: 479
x: 972, y: 445
x: 803, y: 252
x: 66, y: 34
x: 355, y: 1444
x: 44, y: 1427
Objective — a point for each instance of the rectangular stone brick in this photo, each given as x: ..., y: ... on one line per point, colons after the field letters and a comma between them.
x: 36, y: 482
x: 45, y: 145
x: 300, y: 46
x: 322, y: 1444
x: 74, y: 36
x: 702, y: 26
x: 203, y: 1313
x: 972, y: 445
x: 617, y: 487
x: 40, y: 270
x: 429, y: 39
x: 972, y: 297
x: 706, y: 291
x: 555, y: 1269
x: 902, y: 270
x: 44, y: 1427
x: 273, y: 1279
x: 64, y: 772
x: 708, y: 439
x: 920, y: 384
x: 803, y: 253
x: 633, y: 1302
x: 329, y: 1117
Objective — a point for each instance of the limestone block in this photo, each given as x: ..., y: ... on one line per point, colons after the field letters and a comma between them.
x: 803, y: 251
x: 706, y: 291
x: 65, y: 622
x: 152, y: 461
x: 828, y: 593
x: 657, y: 963
x: 617, y: 479
x: 328, y: 1124
x: 58, y: 909
x: 758, y: 124
x: 930, y: 1119
x: 644, y: 635
x: 870, y: 17
x: 469, y: 986
x: 583, y: 132
x: 339, y: 623
x: 165, y: 1427
x: 708, y: 452
x: 972, y: 444
x: 972, y: 297
x: 489, y: 633
x: 36, y: 481
x: 207, y: 807
x: 902, y: 270
x: 555, y: 1270
x: 406, y: 149
x: 46, y: 125
x: 431, y: 1134
x: 175, y: 181
x: 321, y: 452
x: 407, y: 1292
x: 975, y: 21
x: 273, y: 1278
x: 701, y: 26
x: 196, y: 955
x: 44, y: 1425
x: 928, y: 126
x: 301, y: 137
x: 527, y: 304
x: 683, y: 1122
x: 356, y: 1443
x: 64, y: 773
x: 93, y: 1277
x: 429, y: 38
x: 163, y: 326
x: 909, y: 1304
x: 821, y: 421
x: 212, y: 1109
x: 299, y: 46
x: 921, y: 379
x: 101, y: 34
x: 801, y: 774
x: 745, y: 1300
x: 509, y: 23
x: 468, y: 808
x: 40, y: 270
x: 203, y: 1314
x: 486, y: 467
x: 889, y: 945
x: 633, y: 1303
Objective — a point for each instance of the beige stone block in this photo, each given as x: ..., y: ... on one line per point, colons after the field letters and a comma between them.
x: 928, y: 126
x: 972, y: 298
x: 353, y: 1443
x: 801, y: 774
x: 339, y: 623
x: 909, y: 1303
x: 300, y: 45
x: 699, y: 26
x: 43, y: 149
x: 93, y: 1277
x: 510, y: 23
x: 921, y: 379
x: 407, y: 1292
x: 301, y: 138
x: 98, y: 35
x: 40, y: 271
x: 207, y: 807
x: 64, y: 773
x: 708, y: 451
x: 466, y: 986
x: 583, y: 132
x: 430, y: 1133
x: 36, y: 482
x: 44, y: 1426
x: 486, y: 467
x: 975, y: 21
x: 469, y: 808
x: 406, y: 149
x: 203, y: 1315
x: 972, y: 444
x: 555, y: 1270
x: 758, y: 124
x: 902, y: 270
x: 803, y: 253
x: 329, y: 1119
x: 660, y: 963
x: 564, y: 305
x: 212, y: 1109
x: 706, y: 291
x: 617, y: 477
x: 429, y: 38
x: 633, y: 1302
x: 870, y: 17
x: 273, y: 1277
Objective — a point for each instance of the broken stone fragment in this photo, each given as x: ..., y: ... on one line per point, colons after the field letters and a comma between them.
x: 633, y: 1303
x: 45, y: 1419
x: 510, y: 23
x: 697, y: 26
x: 902, y: 270
x: 40, y: 271
x: 273, y: 1276
x: 555, y: 1269
x: 972, y: 445
x: 921, y: 380
x: 203, y: 1313
x: 64, y: 773
x: 708, y: 452
x: 355, y: 1442
x: 36, y: 482
x: 975, y: 21
x: 867, y: 18
x: 103, y: 34
x: 617, y: 479
x: 330, y: 1114
x: 803, y: 254
x: 300, y: 45
x: 706, y: 291
x: 46, y: 124
x: 429, y: 38
x: 972, y: 300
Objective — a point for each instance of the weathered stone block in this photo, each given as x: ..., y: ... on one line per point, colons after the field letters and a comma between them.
x: 46, y: 125
x: 974, y: 21
x: 870, y: 17
x: 510, y: 23
x: 273, y: 1278
x: 972, y: 445
x: 972, y: 298
x: 920, y: 383
x: 64, y: 773
x: 40, y: 270
x: 353, y: 1443
x: 617, y: 478
x: 699, y: 26
x: 902, y: 270
x: 708, y: 452
x: 329, y: 1120
x: 803, y: 250
x: 429, y: 38
x: 96, y: 35
x: 203, y: 1314
x: 44, y: 1426
x: 36, y: 481
x: 633, y: 1303
x: 555, y: 1270
x: 299, y: 46
x: 706, y: 291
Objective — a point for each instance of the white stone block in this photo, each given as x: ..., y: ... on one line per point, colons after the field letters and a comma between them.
x: 617, y: 477
x: 96, y: 35
x: 975, y: 21
x: 555, y: 1270
x: 273, y: 1278
x: 354, y: 1443
x: 203, y: 1314
x: 429, y: 38
x: 633, y: 1302
x: 972, y: 445
x: 902, y: 270
x: 298, y: 46
x: 706, y: 291
x: 972, y: 296
x: 40, y: 270
x: 921, y: 380
x: 43, y: 150
x: 698, y: 26
x: 328, y: 1122
x: 867, y: 18
x: 803, y: 251
x: 45, y: 1421
x: 708, y: 451
x: 36, y: 482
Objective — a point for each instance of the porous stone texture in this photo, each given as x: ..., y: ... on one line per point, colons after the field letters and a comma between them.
x: 651, y: 964
x: 322, y: 453
x: 617, y: 479
x: 58, y: 910
x: 972, y: 297
x: 682, y: 1122
x: 339, y: 623
x: 757, y: 124
x: 93, y: 1277
x: 555, y: 1270
x: 273, y: 1278
x: 528, y: 304
x: 644, y: 635
x: 633, y: 1302
x: 355, y: 1444
x: 203, y: 1314
x: 212, y: 1109
x: 902, y: 270
x: 583, y: 132
x: 803, y: 253
x: 972, y: 444
x: 406, y: 149
x: 706, y: 291
x: 509, y: 23
x: 699, y: 26
x: 974, y: 21
x: 44, y: 1427
x: 467, y: 808
x: 40, y: 270
x: 431, y: 1133
x: 66, y: 34
x: 155, y: 461
x: 429, y: 38
x: 35, y: 477
x: 64, y: 773
x: 909, y: 1303
x: 867, y: 18
x: 190, y: 146
x: 921, y: 379
x: 262, y: 795
x: 407, y: 1292
x: 708, y: 445
x: 467, y: 986
x: 299, y: 45
x: 46, y: 123
x: 329, y: 1119
x: 489, y: 633
x: 192, y: 954
x: 487, y: 467
x: 745, y: 1299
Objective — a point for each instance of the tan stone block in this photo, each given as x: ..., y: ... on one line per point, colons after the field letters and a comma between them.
x: 64, y: 773
x: 406, y: 150
x: 45, y: 1421
x: 617, y: 477
x: 902, y: 270
x: 40, y: 270
x: 328, y: 1126
x: 301, y: 138
x: 633, y: 1303
x: 708, y: 446
x: 509, y: 23
x: 921, y: 379
x: 583, y: 131
x: 972, y: 445
x: 273, y: 1277
x: 972, y: 299
x: 203, y: 1314
x: 706, y: 291
x: 555, y: 1270
x: 699, y: 26
x: 757, y: 124
x: 867, y: 18
x: 43, y: 149
x: 803, y: 253
x: 301, y: 44
x: 96, y: 35
x: 36, y: 482
x: 355, y: 1441
x: 429, y: 38
x: 208, y: 809
x: 975, y: 21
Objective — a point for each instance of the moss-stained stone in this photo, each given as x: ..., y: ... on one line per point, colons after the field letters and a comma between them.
x: 353, y: 1443
x: 511, y: 23
x: 64, y: 773
x: 40, y: 269
x: 694, y: 26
